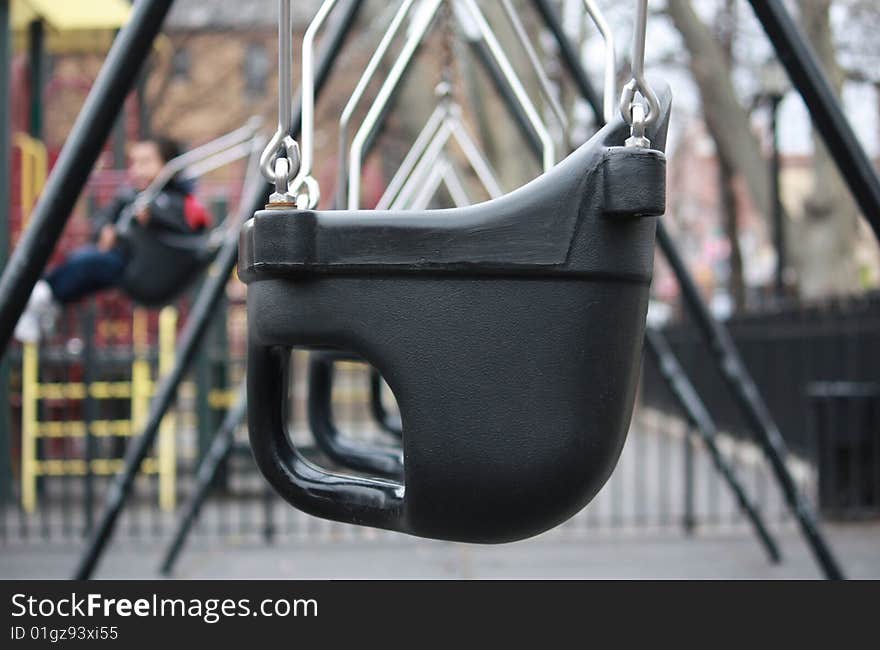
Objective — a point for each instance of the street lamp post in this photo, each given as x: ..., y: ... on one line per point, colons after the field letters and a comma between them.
x: 775, y: 86
x: 778, y: 218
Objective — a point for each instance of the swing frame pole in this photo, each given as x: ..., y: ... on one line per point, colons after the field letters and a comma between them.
x: 699, y: 417
x: 741, y: 385
x: 221, y: 445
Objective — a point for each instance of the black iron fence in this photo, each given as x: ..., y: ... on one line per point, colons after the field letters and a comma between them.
x: 785, y: 350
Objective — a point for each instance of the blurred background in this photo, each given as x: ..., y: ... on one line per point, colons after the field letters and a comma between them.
x: 756, y: 205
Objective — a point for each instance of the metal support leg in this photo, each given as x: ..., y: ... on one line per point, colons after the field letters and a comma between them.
x: 87, y: 138
x: 569, y: 53
x: 696, y: 413
x: 197, y: 324
x: 166, y: 451
x: 212, y: 462
x: 748, y: 398
x: 30, y: 378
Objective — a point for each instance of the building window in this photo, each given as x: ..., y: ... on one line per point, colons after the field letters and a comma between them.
x: 180, y: 64
x: 256, y: 69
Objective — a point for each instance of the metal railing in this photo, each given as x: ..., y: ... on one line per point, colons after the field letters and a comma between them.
x: 785, y: 349
x: 34, y: 168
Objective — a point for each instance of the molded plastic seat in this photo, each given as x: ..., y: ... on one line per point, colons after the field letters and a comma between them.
x: 510, y: 333
x: 163, y: 264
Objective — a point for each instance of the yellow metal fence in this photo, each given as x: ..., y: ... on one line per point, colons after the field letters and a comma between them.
x: 138, y: 391
x: 34, y: 168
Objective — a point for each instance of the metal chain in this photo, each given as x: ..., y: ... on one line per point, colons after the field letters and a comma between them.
x: 634, y: 112
x: 276, y: 168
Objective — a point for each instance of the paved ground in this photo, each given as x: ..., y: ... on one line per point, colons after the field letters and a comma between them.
x: 665, y: 556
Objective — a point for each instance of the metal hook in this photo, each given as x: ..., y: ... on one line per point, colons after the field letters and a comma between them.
x: 639, y: 119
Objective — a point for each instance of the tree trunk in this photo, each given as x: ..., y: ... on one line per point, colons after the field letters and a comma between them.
x: 727, y: 26
x: 828, y: 233
x: 736, y: 284
x: 726, y: 119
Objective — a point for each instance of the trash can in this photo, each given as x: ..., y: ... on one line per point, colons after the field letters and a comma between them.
x: 846, y: 428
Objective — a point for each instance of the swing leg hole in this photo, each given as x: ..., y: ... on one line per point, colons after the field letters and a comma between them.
x: 370, y: 501
x: 325, y: 397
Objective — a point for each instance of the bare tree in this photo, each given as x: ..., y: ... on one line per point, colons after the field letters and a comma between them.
x: 726, y: 26
x: 825, y: 238
x: 726, y: 118
x: 829, y: 229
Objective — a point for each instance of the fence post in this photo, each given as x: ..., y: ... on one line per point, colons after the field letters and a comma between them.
x: 30, y: 369
x: 140, y: 369
x: 89, y: 414
x: 166, y: 452
x: 211, y: 368
x: 689, y: 520
x: 219, y: 374
x: 203, y: 403
x: 219, y: 369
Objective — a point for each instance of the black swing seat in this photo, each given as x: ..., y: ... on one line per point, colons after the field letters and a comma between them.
x: 162, y: 264
x: 386, y: 461
x: 510, y: 333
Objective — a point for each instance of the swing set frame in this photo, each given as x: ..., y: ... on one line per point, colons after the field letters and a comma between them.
x: 119, y: 73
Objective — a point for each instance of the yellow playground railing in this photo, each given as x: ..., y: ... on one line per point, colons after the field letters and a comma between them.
x: 34, y: 168
x: 138, y: 391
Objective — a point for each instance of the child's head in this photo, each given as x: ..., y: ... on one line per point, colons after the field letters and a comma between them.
x: 146, y: 159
